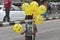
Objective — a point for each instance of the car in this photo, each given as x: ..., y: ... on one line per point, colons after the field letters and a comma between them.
x: 16, y: 13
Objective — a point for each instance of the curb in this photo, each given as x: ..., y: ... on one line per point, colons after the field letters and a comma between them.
x: 11, y: 23
x: 50, y: 18
x: 22, y: 21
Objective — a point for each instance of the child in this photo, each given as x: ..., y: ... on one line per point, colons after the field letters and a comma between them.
x: 28, y: 32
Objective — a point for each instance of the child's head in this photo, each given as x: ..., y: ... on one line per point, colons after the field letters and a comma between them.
x: 29, y: 17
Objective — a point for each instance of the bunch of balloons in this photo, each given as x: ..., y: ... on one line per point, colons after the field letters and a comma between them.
x: 32, y: 9
x: 36, y: 10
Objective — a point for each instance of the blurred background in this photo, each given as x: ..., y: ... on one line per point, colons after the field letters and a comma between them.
x: 53, y: 7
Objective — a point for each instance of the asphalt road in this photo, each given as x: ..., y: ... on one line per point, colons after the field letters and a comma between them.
x: 49, y: 30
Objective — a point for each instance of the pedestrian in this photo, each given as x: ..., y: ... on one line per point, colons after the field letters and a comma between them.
x: 45, y: 3
x: 54, y: 8
x: 7, y: 6
x: 49, y: 8
x: 29, y: 30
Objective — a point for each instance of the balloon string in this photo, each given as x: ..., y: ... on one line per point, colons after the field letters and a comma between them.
x: 32, y: 27
x: 33, y: 17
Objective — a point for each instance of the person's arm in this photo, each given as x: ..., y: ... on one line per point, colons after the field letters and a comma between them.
x: 24, y: 31
x: 9, y: 2
x: 35, y: 28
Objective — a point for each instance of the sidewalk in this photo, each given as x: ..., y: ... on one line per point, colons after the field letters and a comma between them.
x: 48, y: 17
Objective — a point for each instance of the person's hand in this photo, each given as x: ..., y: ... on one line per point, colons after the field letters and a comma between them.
x: 22, y: 33
x: 33, y: 33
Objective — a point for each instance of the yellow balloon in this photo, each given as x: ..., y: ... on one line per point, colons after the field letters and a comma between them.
x: 28, y: 11
x: 34, y: 4
x: 43, y: 9
x: 36, y: 12
x: 32, y: 9
x: 39, y: 19
x: 24, y: 6
x: 17, y: 28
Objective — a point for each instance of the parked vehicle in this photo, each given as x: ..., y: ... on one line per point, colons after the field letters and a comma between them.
x: 15, y: 13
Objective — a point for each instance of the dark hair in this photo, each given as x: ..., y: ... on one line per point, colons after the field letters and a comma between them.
x: 28, y: 17
x: 43, y: 1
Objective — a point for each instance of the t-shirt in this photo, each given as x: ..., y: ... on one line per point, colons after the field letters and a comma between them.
x: 7, y: 4
x: 29, y: 29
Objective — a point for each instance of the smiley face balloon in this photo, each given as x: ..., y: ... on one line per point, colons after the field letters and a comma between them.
x: 17, y: 28
x: 24, y: 6
x: 39, y: 19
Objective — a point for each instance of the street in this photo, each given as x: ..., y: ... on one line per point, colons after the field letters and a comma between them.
x: 21, y: 10
x: 49, y: 30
